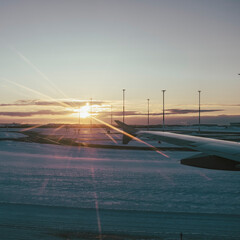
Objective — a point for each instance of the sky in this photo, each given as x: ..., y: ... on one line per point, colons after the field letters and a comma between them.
x: 55, y: 55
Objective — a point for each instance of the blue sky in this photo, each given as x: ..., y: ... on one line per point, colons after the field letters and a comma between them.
x: 93, y: 49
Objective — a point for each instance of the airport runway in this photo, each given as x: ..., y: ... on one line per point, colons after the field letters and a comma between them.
x: 62, y: 192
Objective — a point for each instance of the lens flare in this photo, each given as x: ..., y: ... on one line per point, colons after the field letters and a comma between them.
x: 85, y: 111
x: 30, y: 128
x: 38, y: 93
x: 131, y: 136
x: 26, y: 60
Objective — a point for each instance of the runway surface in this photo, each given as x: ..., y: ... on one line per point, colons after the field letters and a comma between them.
x: 63, y: 192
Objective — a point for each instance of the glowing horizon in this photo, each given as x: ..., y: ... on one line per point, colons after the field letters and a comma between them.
x: 22, y: 112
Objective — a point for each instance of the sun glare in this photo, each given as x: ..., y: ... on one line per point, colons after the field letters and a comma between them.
x: 85, y: 111
x: 88, y: 111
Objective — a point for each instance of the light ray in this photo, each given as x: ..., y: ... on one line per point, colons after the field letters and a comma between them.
x: 43, y: 187
x: 205, y: 176
x: 50, y: 140
x: 30, y: 128
x: 26, y: 60
x: 112, y: 138
x: 37, y: 92
x: 96, y: 204
x: 131, y: 136
x: 56, y: 129
x: 116, y: 136
x: 66, y: 157
x: 60, y: 138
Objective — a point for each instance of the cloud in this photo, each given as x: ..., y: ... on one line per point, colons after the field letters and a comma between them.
x: 70, y: 103
x: 186, y: 111
x: 29, y: 114
x: 168, y: 112
x: 119, y: 113
x: 127, y: 113
x: 186, y: 119
x: 222, y: 105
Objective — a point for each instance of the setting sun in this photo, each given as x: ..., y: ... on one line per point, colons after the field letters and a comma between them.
x: 85, y: 111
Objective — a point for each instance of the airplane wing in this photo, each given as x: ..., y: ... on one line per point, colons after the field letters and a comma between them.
x: 215, y: 154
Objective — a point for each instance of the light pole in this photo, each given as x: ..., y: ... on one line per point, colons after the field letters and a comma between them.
x: 79, y: 117
x: 91, y: 113
x: 199, y: 109
x: 163, y: 91
x: 111, y: 115
x: 124, y: 105
x: 148, y: 113
x: 79, y: 120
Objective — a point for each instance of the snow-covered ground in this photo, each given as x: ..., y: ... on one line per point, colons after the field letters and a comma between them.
x: 12, y: 135
x: 55, y: 192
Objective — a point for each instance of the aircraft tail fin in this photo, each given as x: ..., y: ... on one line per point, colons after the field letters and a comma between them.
x: 128, y: 130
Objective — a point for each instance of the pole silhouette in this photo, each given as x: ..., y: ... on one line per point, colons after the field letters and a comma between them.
x: 199, y: 110
x: 148, y: 114
x: 124, y: 105
x: 163, y: 91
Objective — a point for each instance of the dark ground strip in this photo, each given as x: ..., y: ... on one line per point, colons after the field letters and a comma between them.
x: 46, y: 139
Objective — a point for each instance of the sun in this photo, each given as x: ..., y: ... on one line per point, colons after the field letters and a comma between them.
x: 84, y: 111
x: 87, y: 111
